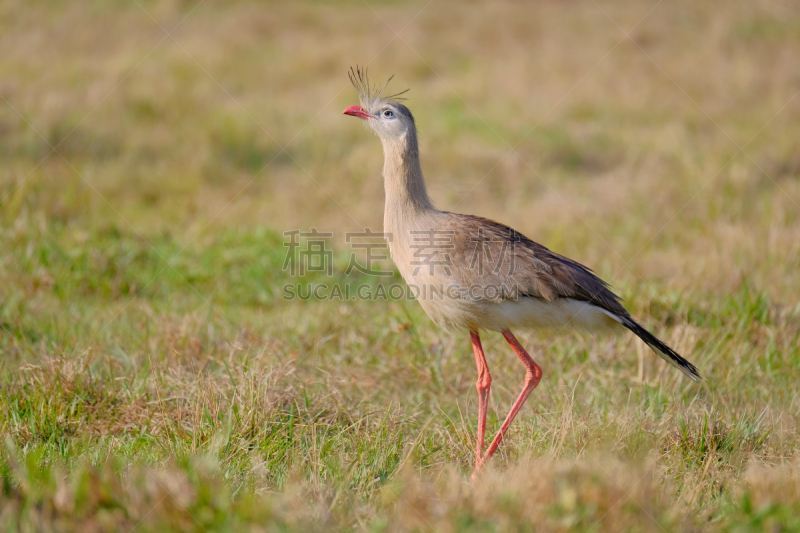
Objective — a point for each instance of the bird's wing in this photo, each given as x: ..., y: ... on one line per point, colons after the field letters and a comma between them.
x: 485, y: 253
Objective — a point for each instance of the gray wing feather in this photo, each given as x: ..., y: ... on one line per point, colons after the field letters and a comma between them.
x: 489, y: 253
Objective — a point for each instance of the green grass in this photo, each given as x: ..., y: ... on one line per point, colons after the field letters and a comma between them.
x: 153, y: 376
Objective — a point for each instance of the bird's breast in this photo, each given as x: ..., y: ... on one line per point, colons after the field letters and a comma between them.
x: 423, y: 253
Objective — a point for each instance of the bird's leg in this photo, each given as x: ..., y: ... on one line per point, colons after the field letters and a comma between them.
x: 533, y: 375
x: 483, y: 385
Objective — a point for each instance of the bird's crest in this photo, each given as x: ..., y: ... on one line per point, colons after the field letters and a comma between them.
x: 370, y: 95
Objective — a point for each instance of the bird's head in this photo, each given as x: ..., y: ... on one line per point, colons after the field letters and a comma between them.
x: 390, y: 119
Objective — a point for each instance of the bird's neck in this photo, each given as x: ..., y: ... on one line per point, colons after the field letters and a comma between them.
x: 406, y: 195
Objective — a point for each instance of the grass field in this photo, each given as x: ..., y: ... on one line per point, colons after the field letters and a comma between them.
x: 154, y: 378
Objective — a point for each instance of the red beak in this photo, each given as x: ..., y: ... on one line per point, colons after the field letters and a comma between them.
x: 357, y: 111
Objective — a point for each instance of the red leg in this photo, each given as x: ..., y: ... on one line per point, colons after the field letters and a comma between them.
x: 533, y: 375
x: 483, y: 385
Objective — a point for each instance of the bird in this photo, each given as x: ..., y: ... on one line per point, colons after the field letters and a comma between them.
x: 472, y: 274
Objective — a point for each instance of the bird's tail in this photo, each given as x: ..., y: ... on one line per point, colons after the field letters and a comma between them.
x: 665, y: 352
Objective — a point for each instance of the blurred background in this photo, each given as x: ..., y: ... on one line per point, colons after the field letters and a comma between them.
x: 153, y: 153
x: 649, y: 139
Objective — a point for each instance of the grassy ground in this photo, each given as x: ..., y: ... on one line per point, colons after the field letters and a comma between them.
x: 152, y: 376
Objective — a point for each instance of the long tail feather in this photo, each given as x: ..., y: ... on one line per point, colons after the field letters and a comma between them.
x: 663, y: 351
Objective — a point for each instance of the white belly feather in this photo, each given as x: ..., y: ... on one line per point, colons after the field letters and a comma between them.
x: 522, y: 313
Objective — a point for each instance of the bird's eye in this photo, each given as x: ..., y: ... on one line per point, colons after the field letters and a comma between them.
x: 388, y: 114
